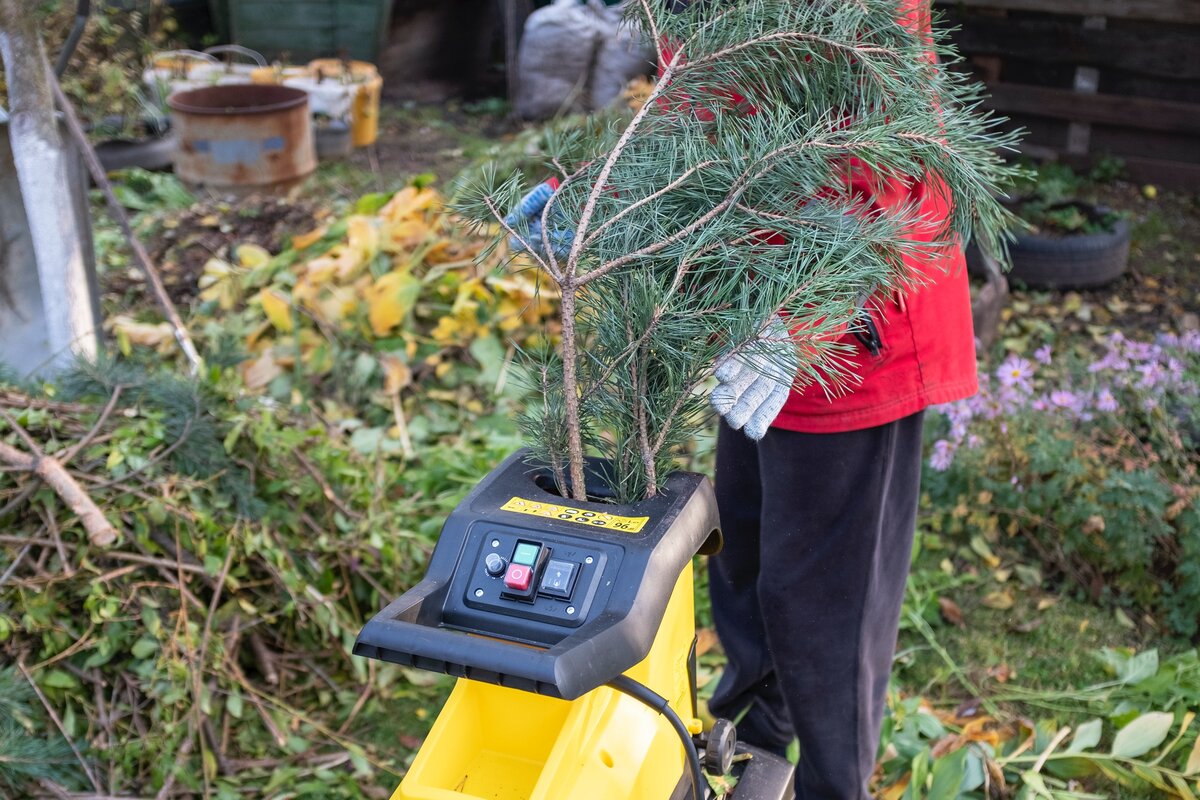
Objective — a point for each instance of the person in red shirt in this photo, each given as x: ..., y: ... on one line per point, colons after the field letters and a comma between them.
x: 818, y: 500
x: 818, y: 517
x: 818, y: 512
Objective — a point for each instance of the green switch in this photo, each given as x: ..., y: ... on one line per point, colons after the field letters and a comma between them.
x: 526, y: 554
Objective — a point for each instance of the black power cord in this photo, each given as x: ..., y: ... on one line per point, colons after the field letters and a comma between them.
x: 646, y: 695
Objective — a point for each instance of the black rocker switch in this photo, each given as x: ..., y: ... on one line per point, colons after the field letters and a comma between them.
x: 558, y: 579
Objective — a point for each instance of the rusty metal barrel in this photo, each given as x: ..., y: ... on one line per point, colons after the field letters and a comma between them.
x: 243, y: 136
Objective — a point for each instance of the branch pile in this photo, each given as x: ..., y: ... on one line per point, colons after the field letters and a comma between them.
x: 192, y: 638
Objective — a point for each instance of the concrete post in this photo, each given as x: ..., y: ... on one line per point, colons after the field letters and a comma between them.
x: 55, y: 232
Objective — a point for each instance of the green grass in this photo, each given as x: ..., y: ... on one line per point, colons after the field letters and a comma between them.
x: 1050, y: 648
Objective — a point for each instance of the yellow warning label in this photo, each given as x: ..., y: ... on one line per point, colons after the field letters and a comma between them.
x: 593, y: 519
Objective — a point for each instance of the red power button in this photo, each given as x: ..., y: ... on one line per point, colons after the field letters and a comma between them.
x: 518, y: 577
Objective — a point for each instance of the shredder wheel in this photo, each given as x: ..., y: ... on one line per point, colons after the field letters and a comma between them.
x: 719, y: 747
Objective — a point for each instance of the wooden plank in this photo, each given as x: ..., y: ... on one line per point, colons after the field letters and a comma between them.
x: 1159, y: 10
x: 1167, y: 174
x: 1087, y: 81
x: 1131, y: 112
x: 1163, y: 51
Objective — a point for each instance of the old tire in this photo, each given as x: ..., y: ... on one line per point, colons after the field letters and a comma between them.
x: 152, y: 153
x: 1071, y: 262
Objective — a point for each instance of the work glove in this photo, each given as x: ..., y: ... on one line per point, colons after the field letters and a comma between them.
x: 753, y: 382
x: 530, y: 210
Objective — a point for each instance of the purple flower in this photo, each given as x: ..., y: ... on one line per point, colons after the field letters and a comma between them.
x: 1042, y: 354
x: 974, y: 440
x: 1175, y: 367
x: 1152, y: 374
x: 1141, y: 351
x: 1190, y: 341
x: 1016, y: 373
x: 1112, y: 361
x: 942, y: 456
x: 1106, y: 402
x: 1063, y: 398
x: 1149, y: 403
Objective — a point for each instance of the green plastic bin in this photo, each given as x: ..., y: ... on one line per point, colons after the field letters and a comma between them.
x: 301, y: 30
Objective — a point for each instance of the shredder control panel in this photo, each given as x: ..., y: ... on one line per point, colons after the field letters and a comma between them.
x: 529, y: 585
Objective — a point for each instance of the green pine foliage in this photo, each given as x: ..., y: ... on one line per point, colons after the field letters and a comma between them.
x: 29, y: 751
x: 670, y: 267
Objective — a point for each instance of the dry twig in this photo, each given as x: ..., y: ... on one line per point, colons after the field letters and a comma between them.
x: 101, y: 532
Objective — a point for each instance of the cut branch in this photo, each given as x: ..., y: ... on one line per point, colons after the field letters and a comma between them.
x: 100, y: 531
x: 571, y: 395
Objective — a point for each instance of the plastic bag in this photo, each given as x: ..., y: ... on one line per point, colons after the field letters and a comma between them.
x: 623, y: 54
x: 555, y: 59
x: 576, y: 57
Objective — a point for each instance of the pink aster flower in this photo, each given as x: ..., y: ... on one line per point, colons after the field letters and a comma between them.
x: 1042, y: 354
x: 942, y: 456
x: 1063, y: 398
x: 1016, y: 373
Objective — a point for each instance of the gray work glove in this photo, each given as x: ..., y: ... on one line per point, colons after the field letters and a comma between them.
x: 754, y: 382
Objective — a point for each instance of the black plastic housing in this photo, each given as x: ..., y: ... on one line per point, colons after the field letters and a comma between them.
x: 621, y: 596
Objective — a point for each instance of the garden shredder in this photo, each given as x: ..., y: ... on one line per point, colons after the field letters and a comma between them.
x: 570, y: 627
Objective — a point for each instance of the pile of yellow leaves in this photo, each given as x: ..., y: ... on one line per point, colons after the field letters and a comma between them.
x: 408, y: 280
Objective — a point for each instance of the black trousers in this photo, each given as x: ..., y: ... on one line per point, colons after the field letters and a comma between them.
x: 806, y: 594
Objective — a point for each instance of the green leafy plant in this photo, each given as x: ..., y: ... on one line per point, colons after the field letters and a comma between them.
x: 104, y: 75
x: 1050, y: 200
x: 1090, y: 466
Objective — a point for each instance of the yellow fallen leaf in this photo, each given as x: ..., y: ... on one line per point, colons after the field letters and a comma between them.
x: 390, y: 299
x: 362, y: 236
x: 320, y: 270
x: 304, y: 241
x: 396, y: 374
x: 447, y: 330
x: 277, y: 308
x: 408, y: 202
x: 1046, y: 602
x: 335, y: 303
x: 1001, y: 601
x: 143, y: 334
x: 261, y: 371
x: 220, y: 282
x: 251, y: 256
x: 405, y: 235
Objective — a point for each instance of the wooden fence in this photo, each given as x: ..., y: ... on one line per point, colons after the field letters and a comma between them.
x: 1093, y: 78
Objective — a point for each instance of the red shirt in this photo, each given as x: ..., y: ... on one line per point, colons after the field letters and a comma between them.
x: 927, y: 353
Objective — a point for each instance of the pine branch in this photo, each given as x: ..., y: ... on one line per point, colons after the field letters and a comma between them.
x: 706, y: 216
